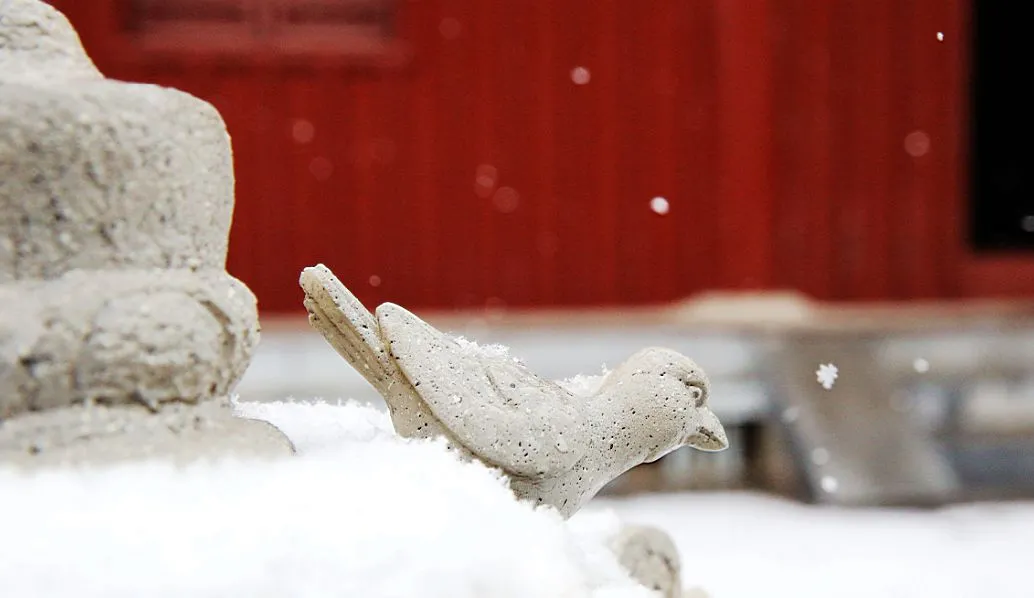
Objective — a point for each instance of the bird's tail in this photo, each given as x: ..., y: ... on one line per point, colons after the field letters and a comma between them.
x: 348, y: 326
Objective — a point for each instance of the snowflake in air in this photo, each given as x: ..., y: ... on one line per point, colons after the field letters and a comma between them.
x: 826, y: 375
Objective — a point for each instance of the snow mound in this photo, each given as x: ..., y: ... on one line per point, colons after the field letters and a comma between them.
x: 584, y: 385
x: 474, y: 349
x: 740, y: 545
x: 359, y: 512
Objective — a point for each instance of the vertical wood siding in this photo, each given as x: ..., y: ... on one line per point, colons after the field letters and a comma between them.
x: 809, y: 145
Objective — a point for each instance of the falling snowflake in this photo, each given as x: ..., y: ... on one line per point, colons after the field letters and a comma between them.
x: 580, y: 75
x: 921, y: 365
x: 826, y: 375
x: 829, y: 484
x: 940, y: 36
x: 450, y: 28
x: 659, y: 205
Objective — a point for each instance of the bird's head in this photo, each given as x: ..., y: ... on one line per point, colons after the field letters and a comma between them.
x: 671, y: 387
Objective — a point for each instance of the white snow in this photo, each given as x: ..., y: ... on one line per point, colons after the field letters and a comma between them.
x: 940, y: 36
x: 826, y: 375
x: 359, y: 512
x: 921, y: 365
x: 584, y: 385
x: 660, y: 205
x: 474, y: 349
x: 580, y: 75
x: 752, y: 546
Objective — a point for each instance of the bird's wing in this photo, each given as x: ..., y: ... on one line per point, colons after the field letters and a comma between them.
x: 493, y: 405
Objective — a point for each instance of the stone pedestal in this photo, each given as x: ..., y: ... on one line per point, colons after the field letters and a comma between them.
x: 115, y: 208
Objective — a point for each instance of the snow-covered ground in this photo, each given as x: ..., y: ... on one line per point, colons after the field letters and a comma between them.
x: 749, y: 546
x: 362, y: 513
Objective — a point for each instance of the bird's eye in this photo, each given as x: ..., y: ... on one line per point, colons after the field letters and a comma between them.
x: 698, y: 395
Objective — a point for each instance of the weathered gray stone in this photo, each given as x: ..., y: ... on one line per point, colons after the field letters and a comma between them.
x: 650, y: 557
x: 97, y: 173
x: 122, y: 336
x: 36, y: 41
x: 115, y: 208
x: 558, y: 448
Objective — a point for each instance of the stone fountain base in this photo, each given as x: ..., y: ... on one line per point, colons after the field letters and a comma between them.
x: 101, y: 434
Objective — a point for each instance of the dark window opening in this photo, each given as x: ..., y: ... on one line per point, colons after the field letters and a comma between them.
x: 1002, y: 192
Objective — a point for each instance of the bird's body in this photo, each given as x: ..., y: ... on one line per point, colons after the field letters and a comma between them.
x: 558, y: 448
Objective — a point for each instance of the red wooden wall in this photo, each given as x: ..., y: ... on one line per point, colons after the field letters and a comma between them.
x: 818, y: 145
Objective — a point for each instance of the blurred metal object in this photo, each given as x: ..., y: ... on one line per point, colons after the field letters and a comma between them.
x: 851, y: 444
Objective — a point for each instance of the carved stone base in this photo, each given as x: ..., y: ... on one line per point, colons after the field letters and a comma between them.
x: 100, y: 435
x: 123, y: 336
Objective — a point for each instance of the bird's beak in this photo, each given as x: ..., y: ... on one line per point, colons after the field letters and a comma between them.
x: 709, y: 434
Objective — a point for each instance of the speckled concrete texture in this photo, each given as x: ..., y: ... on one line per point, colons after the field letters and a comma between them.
x: 122, y: 336
x: 558, y: 448
x: 97, y: 173
x: 115, y: 208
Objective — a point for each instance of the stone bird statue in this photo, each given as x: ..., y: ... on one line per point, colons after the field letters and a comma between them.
x: 557, y: 448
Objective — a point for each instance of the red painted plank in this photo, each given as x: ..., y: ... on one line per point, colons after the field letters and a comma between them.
x: 943, y: 57
x: 487, y: 113
x: 547, y: 73
x: 368, y: 224
x: 393, y: 157
x: 847, y: 251
x: 459, y: 245
x: 876, y: 145
x: 664, y: 89
x: 805, y: 241
x: 696, y: 152
x: 584, y: 262
x: 641, y: 263
x: 924, y: 139
x: 238, y: 110
x: 911, y: 246
x: 520, y: 190
x: 273, y: 207
x: 606, y: 224
x: 429, y: 28
x: 746, y: 218
x: 950, y: 224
